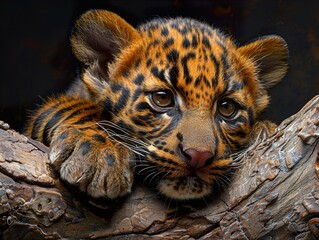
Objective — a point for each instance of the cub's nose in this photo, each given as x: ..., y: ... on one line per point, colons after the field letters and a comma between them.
x: 197, y: 159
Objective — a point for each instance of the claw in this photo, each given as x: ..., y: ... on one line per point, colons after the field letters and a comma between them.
x: 53, y: 156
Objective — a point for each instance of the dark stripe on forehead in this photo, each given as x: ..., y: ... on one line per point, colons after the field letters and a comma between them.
x: 206, y: 42
x: 216, y: 63
x: 173, y: 76
x: 225, y: 61
x: 202, y: 78
x: 207, y: 83
x: 194, y: 41
x: 158, y: 74
x: 198, y: 80
x: 227, y: 73
x: 173, y: 56
x: 185, y: 59
x: 224, y: 58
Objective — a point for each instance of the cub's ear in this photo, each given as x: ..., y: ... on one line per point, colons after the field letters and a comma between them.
x: 99, y: 35
x: 270, y: 54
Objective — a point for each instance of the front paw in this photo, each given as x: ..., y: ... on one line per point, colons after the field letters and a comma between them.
x: 94, y: 164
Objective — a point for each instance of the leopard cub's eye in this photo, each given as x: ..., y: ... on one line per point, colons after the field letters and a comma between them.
x: 163, y: 98
x: 227, y: 108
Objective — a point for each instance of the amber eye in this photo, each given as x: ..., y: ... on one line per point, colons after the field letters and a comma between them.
x: 227, y: 108
x: 163, y: 98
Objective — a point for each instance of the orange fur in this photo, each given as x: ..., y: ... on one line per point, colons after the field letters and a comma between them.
x: 110, y: 121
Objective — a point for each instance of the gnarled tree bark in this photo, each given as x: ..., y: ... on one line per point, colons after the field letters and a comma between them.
x: 274, y: 195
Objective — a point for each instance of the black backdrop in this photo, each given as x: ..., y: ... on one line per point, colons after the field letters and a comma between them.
x: 36, y: 59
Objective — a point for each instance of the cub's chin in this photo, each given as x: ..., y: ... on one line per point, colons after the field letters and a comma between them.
x: 184, y: 188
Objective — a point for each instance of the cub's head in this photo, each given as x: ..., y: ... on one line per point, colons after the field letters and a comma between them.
x: 181, y: 94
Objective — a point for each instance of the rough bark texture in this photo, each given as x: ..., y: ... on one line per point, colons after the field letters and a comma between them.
x: 274, y: 195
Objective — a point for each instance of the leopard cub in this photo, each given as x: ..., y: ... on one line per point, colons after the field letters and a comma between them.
x: 174, y: 97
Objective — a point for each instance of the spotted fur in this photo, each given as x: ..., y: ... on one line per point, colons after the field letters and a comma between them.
x: 113, y: 118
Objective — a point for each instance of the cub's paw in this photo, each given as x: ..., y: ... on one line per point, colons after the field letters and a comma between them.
x: 93, y: 163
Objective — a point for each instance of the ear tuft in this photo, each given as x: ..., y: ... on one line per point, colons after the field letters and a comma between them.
x: 100, y: 35
x: 270, y: 54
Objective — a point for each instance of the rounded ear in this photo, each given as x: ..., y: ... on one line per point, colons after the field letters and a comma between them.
x: 270, y: 55
x: 99, y: 35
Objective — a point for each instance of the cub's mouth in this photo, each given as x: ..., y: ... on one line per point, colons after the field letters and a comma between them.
x: 199, y: 183
x: 181, y: 180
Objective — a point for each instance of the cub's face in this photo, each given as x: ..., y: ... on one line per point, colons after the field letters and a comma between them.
x: 180, y: 94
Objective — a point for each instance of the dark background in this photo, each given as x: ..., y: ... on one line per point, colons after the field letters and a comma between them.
x: 36, y: 59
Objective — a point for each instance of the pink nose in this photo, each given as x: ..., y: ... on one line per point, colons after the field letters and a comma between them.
x: 198, y: 159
